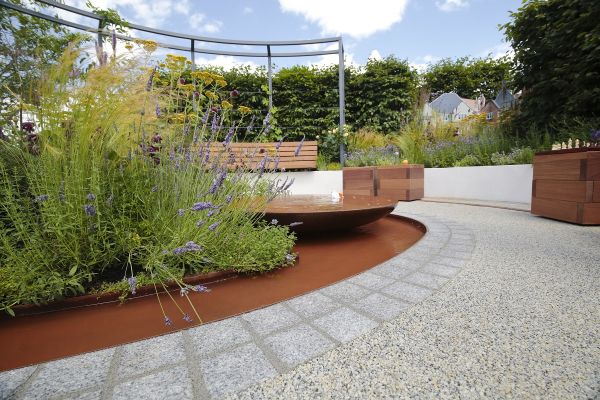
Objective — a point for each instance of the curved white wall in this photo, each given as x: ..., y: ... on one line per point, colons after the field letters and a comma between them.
x: 505, y: 183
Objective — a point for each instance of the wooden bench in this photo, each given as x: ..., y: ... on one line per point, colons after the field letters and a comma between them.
x: 252, y: 154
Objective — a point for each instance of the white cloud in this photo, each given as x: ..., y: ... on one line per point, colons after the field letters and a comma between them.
x: 375, y: 55
x: 422, y: 63
x: 498, y: 51
x: 350, y: 17
x: 451, y: 5
x: 198, y: 21
x: 226, y: 62
x: 248, y: 10
x: 333, y: 59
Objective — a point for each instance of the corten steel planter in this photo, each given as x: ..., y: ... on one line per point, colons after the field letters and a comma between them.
x: 359, y: 181
x: 566, y: 185
x: 402, y: 182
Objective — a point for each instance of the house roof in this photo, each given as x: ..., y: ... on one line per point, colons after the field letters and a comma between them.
x: 505, y: 98
x: 446, y: 103
x: 472, y: 104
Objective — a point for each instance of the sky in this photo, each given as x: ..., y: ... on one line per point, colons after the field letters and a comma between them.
x: 420, y: 31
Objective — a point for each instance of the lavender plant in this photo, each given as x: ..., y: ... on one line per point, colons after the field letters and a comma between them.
x: 132, y: 182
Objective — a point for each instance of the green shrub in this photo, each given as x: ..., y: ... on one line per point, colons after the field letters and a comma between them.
x: 121, y: 184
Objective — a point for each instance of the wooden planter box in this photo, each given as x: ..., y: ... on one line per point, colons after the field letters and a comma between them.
x: 359, y: 181
x: 402, y: 182
x: 566, y: 185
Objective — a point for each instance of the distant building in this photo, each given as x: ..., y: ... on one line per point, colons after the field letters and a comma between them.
x: 504, y: 100
x: 451, y: 107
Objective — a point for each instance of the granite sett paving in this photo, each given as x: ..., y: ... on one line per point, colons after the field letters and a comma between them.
x: 490, y: 303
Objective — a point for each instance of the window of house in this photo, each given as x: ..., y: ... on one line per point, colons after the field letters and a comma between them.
x: 490, y: 116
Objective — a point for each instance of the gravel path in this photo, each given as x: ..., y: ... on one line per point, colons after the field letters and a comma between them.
x: 491, y: 303
x: 522, y: 320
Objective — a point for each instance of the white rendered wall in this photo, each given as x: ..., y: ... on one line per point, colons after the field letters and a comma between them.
x: 313, y: 182
x: 506, y: 183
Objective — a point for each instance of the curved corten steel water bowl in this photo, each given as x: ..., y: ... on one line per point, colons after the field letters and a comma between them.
x: 318, y: 213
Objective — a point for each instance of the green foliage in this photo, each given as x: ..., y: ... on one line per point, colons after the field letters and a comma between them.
x: 382, y: 95
x: 113, y: 188
x: 374, y: 156
x: 557, y: 54
x: 28, y: 45
x: 110, y: 18
x: 468, y: 77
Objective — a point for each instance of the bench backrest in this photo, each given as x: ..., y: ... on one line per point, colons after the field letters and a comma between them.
x: 252, y: 154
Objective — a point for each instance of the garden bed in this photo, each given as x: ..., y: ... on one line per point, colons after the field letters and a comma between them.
x: 323, y: 260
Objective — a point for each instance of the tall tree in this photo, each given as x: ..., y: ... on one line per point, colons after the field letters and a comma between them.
x: 468, y: 77
x: 557, y: 59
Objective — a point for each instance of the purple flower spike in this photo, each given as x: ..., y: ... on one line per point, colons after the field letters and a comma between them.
x: 91, y: 196
x: 180, y: 212
x: 228, y: 198
x: 41, y: 198
x: 157, y: 110
x: 200, y: 289
x: 132, y: 281
x: 150, y: 80
x: 154, y: 189
x: 168, y: 321
x: 187, y: 318
x: 202, y: 205
x: 289, y: 257
x: 299, y: 148
x: 229, y: 136
x: 89, y: 210
x: 199, y: 223
x: 191, y: 246
x: 214, y: 226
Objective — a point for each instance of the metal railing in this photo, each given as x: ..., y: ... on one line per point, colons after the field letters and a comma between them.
x: 193, y: 49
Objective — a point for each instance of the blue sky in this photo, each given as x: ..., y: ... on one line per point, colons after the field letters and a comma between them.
x: 420, y: 31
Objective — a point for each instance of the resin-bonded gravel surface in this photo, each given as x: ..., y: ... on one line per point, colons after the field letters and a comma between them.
x: 490, y: 303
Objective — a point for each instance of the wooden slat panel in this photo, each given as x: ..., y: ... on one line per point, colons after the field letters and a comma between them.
x: 359, y: 181
x: 593, y: 166
x: 559, y: 157
x: 579, y: 191
x: 596, y: 195
x: 591, y: 214
x: 557, y: 209
x: 560, y: 169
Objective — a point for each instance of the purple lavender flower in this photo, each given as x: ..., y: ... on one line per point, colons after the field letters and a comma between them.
x: 299, y: 148
x: 228, y: 198
x: 202, y: 205
x: 180, y: 212
x: 154, y: 189
x: 187, y: 318
x: 206, y: 115
x: 168, y: 321
x: 250, y: 125
x: 229, y: 136
x: 157, y: 110
x: 279, y: 143
x: 192, y: 246
x: 214, y: 226
x: 41, y: 198
x: 91, y: 197
x: 211, y: 213
x: 132, y: 281
x: 295, y: 224
x: 199, y: 223
x: 274, y: 221
x: 109, y: 200
x: 74, y: 73
x: 276, y: 164
x: 90, y: 210
x: 218, y: 181
x: 215, y: 123
x: 289, y: 257
x: 150, y: 80
x: 200, y: 289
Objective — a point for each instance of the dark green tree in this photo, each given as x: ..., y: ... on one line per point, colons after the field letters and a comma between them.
x: 557, y: 60
x: 382, y: 95
x: 468, y: 77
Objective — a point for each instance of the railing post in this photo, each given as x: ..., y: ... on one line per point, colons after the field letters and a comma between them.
x: 342, y: 93
x: 270, y: 77
x: 193, y: 54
